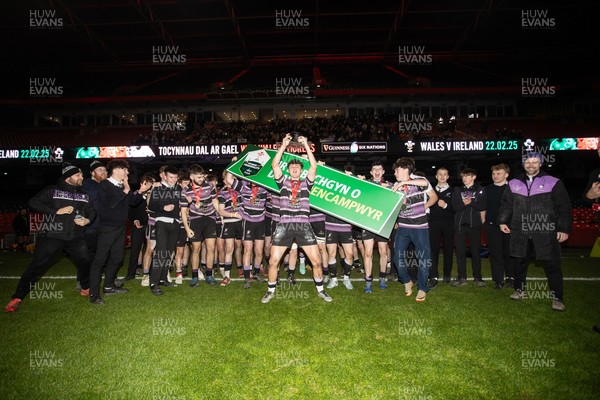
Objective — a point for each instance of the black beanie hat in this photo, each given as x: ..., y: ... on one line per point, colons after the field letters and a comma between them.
x: 95, y: 165
x: 69, y: 171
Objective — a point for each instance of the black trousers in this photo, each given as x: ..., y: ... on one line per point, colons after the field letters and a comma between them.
x: 91, y: 240
x: 164, y: 252
x: 138, y: 237
x: 109, y: 251
x: 551, y: 267
x: 439, y: 230
x: 46, y: 249
x: 474, y: 236
x: 499, y: 245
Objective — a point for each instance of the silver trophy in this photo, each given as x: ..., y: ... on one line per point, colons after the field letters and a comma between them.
x: 294, y: 142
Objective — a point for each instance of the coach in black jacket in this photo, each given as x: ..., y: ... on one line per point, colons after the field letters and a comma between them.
x: 67, y: 210
x: 537, y: 208
x: 114, y: 199
x: 90, y: 186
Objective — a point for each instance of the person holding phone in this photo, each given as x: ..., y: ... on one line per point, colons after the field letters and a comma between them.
x: 60, y: 230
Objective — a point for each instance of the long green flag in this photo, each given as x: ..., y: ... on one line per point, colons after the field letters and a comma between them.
x: 358, y: 202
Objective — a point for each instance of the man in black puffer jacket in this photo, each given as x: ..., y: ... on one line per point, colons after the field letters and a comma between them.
x: 67, y: 210
x: 536, y: 212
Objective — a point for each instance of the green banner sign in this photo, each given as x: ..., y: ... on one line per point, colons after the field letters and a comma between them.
x: 358, y: 202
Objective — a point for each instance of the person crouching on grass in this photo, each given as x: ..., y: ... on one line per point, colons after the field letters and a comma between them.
x: 294, y: 224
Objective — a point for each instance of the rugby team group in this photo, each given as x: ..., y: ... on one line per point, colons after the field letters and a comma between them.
x: 182, y: 219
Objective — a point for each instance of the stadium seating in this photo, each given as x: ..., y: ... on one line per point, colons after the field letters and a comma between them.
x: 584, y: 230
x: 338, y: 128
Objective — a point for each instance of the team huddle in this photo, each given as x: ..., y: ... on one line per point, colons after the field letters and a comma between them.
x: 186, y: 222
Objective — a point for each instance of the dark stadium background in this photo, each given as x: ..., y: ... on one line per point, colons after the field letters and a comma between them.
x: 346, y: 52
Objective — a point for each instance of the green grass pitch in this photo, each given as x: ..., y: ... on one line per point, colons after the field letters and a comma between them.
x: 222, y: 343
